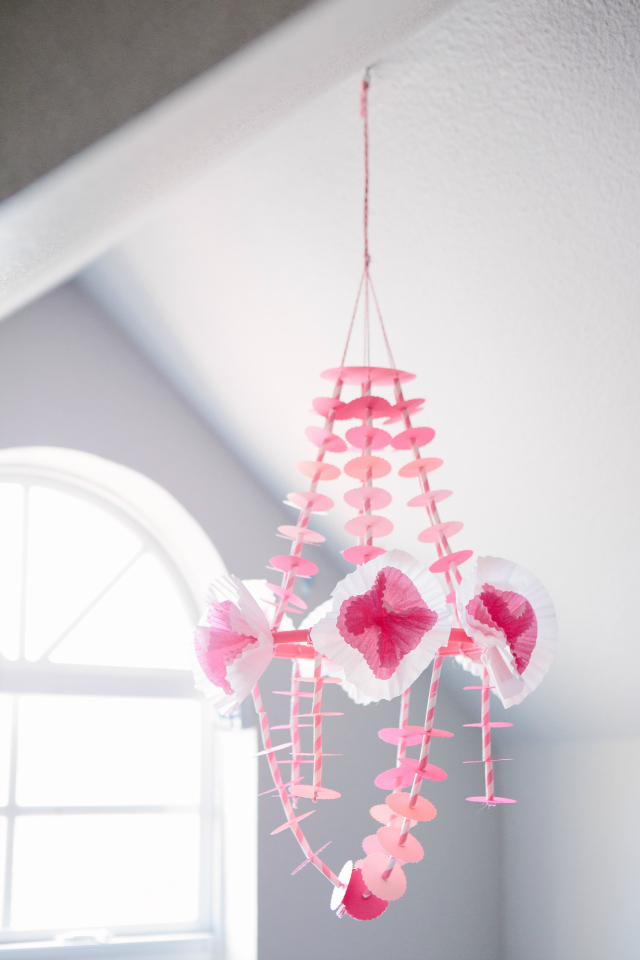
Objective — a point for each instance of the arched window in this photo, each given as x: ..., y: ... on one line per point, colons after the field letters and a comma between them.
x: 107, y: 832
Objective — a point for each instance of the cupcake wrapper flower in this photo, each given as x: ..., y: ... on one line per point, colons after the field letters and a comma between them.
x: 387, y: 621
x: 233, y: 647
x: 509, y: 613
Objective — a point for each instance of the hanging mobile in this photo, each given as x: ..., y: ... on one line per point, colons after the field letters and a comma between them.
x: 387, y: 621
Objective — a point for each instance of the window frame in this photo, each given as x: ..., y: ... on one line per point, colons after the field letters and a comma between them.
x: 181, y: 547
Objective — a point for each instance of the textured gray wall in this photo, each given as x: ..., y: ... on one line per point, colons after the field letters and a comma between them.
x: 73, y: 70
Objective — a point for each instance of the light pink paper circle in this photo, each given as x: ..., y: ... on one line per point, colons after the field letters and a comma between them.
x: 362, y: 553
x: 285, y: 562
x: 325, y: 438
x: 495, y: 800
x: 313, y: 793
x: 377, y: 498
x: 493, y: 723
x: 445, y: 562
x: 361, y: 466
x: 428, y: 464
x: 388, y: 779
x: 315, y: 468
x: 447, y: 529
x: 430, y: 496
x: 412, y: 736
x: 411, y: 406
x: 418, y: 435
x: 367, y: 524
x: 359, y: 906
x: 430, y: 772
x: 325, y: 405
x: 382, y: 813
x: 410, y: 852
x: 361, y: 437
x: 359, y: 375
x: 369, y: 406
x: 318, y: 502
x: 422, y: 810
x: 371, y: 844
x: 302, y: 533
x: 373, y: 868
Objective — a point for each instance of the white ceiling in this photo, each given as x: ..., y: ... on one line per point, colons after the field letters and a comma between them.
x: 505, y: 223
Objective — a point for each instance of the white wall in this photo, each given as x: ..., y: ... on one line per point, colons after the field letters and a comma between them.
x: 572, y: 851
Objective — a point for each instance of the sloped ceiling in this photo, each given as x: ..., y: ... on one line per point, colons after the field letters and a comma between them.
x: 504, y: 229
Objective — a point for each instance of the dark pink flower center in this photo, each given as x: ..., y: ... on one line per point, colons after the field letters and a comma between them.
x: 512, y: 615
x: 387, y: 622
x: 218, y: 645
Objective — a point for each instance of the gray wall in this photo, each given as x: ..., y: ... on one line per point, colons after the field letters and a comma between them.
x: 68, y: 377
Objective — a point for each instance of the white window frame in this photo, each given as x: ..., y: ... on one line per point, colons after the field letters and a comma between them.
x: 168, y: 531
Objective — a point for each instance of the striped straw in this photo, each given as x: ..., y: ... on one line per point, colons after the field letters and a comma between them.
x: 424, y: 758
x: 304, y: 844
x: 486, y: 737
x: 317, y: 721
x: 295, y: 728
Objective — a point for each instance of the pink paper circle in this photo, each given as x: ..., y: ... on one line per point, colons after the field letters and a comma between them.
x: 445, y: 562
x: 495, y: 800
x: 411, y: 406
x: 361, y: 437
x: 431, y: 496
x: 302, y: 533
x: 428, y: 464
x: 410, y: 852
x: 318, y: 502
x: 388, y: 779
x: 359, y: 375
x: 430, y: 772
x: 373, y: 868
x: 377, y: 497
x: 318, y: 468
x: 412, y: 736
x: 361, y: 467
x: 369, y: 406
x: 368, y: 523
x: 313, y: 793
x: 421, y: 436
x: 359, y: 906
x: 382, y: 813
x: 362, y: 553
x: 422, y: 810
x: 447, y: 529
x: 325, y: 438
x: 285, y: 563
x: 371, y: 844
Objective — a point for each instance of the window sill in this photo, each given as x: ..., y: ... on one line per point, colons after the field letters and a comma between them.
x: 194, y: 946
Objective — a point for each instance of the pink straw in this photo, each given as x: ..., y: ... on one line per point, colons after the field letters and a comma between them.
x: 304, y: 844
x: 486, y: 737
x: 295, y: 729
x: 424, y: 758
x: 317, y: 722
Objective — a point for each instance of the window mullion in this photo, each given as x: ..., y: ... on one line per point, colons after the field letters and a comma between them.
x: 24, y: 567
x: 11, y: 814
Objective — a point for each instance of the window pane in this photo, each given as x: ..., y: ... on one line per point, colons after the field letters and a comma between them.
x: 141, y: 622
x: 11, y: 525
x: 98, y: 870
x: 83, y: 751
x: 5, y: 747
x: 74, y: 549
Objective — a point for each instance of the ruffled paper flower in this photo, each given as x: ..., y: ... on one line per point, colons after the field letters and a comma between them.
x: 387, y: 621
x: 509, y: 613
x: 233, y: 647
